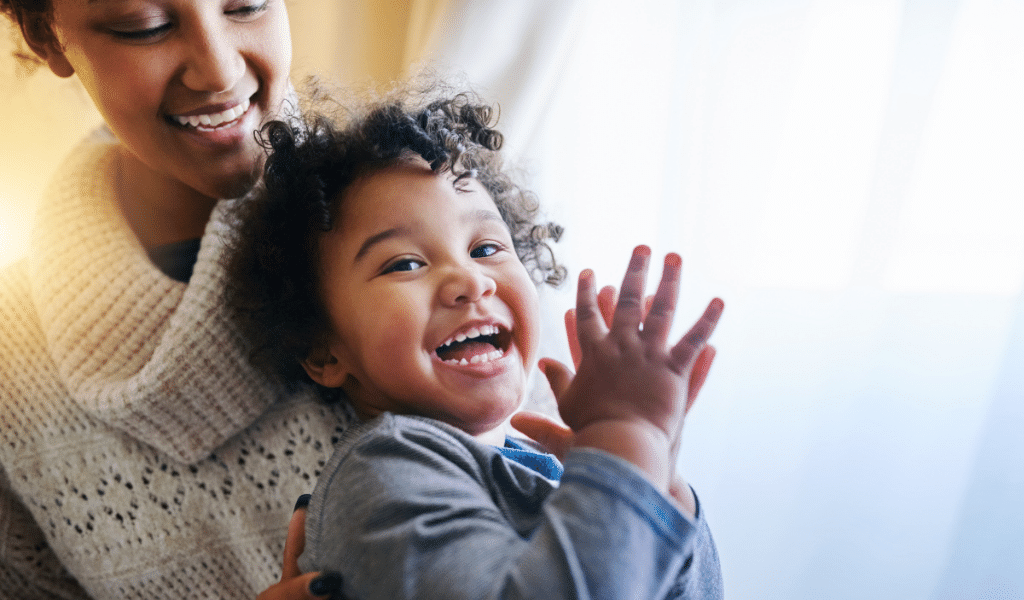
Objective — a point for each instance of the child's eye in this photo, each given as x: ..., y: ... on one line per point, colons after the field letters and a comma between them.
x: 405, y: 264
x: 485, y: 250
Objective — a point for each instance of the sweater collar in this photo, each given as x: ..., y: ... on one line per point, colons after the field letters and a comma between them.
x: 155, y: 358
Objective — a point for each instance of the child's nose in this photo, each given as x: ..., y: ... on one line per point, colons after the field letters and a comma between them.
x: 465, y: 284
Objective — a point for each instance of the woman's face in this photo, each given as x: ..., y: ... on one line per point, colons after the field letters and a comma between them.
x: 182, y: 83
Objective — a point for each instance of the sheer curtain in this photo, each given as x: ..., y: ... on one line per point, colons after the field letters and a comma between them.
x: 847, y: 175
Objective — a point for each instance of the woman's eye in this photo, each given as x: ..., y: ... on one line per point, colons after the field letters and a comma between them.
x: 248, y: 12
x: 484, y: 250
x: 141, y: 35
x: 405, y: 264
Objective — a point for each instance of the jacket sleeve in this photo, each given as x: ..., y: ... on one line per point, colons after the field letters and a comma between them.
x: 417, y: 514
x: 29, y: 570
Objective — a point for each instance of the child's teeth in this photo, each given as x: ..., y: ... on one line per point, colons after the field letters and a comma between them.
x: 478, y: 358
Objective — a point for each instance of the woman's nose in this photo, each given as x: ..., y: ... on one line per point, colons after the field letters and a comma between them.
x: 465, y: 284
x: 214, y: 64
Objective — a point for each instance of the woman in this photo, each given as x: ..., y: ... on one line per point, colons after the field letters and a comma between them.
x: 141, y: 456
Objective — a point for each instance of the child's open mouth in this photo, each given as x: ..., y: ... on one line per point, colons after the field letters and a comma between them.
x: 476, y: 345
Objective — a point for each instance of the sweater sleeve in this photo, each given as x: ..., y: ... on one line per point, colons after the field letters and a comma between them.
x: 420, y: 512
x: 29, y: 570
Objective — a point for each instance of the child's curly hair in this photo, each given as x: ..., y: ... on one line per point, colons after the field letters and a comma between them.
x: 273, y: 267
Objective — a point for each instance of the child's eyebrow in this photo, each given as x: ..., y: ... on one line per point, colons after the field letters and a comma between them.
x: 484, y: 215
x: 380, y: 237
x: 476, y: 216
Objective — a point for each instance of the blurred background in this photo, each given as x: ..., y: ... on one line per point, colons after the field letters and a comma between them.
x: 847, y: 174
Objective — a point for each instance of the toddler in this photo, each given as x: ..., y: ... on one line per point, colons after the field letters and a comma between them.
x: 395, y: 263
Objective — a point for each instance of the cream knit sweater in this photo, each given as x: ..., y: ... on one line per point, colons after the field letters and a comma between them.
x: 140, y: 456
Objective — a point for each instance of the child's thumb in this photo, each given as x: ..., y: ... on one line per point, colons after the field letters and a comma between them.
x: 559, y: 376
x: 554, y: 437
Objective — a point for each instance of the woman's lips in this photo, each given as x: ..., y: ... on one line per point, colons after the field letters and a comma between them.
x: 211, y: 121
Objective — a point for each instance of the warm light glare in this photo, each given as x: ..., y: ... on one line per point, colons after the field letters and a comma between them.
x: 42, y: 117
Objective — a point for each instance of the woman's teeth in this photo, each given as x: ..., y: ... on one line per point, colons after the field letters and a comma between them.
x: 215, y: 119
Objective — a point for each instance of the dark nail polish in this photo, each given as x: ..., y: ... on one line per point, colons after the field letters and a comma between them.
x: 326, y: 584
x: 302, y: 502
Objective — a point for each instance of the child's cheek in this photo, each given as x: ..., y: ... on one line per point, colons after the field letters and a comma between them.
x: 399, y: 322
x: 530, y: 311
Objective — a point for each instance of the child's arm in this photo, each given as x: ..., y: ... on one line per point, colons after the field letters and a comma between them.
x: 632, y: 391
x: 413, y: 508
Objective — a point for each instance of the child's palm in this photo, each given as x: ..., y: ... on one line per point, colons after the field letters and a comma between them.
x: 628, y: 374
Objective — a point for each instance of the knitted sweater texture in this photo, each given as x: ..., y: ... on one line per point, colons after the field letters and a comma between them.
x: 140, y: 455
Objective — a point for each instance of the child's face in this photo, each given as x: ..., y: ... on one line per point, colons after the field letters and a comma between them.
x: 431, y: 311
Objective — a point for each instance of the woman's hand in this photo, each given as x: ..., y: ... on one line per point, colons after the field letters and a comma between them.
x: 294, y: 584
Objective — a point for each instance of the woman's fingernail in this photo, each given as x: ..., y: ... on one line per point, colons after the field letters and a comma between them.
x: 326, y: 584
x: 302, y: 502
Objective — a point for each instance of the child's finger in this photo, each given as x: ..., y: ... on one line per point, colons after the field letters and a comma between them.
x: 574, y: 340
x: 559, y: 376
x: 629, y: 310
x: 686, y: 351
x: 699, y: 374
x: 605, y: 304
x: 648, y: 301
x: 606, y: 299
x: 554, y: 437
x: 658, y: 320
x: 589, y: 325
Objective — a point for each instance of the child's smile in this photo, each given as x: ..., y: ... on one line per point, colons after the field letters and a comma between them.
x: 431, y: 311
x: 475, y: 344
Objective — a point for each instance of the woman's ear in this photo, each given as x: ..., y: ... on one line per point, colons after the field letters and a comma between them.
x: 324, y: 367
x: 41, y: 38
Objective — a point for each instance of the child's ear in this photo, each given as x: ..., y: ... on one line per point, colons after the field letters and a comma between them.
x: 41, y: 38
x: 324, y: 367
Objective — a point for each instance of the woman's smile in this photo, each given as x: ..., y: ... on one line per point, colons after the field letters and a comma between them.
x: 223, y: 129
x: 205, y: 120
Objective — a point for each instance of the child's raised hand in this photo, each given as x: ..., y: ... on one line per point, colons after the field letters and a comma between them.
x: 632, y: 390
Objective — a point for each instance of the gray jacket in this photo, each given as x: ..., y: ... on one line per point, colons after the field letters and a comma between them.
x: 409, y: 507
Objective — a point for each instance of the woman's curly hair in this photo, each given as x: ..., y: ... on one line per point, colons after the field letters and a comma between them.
x: 274, y: 289
x: 30, y: 17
